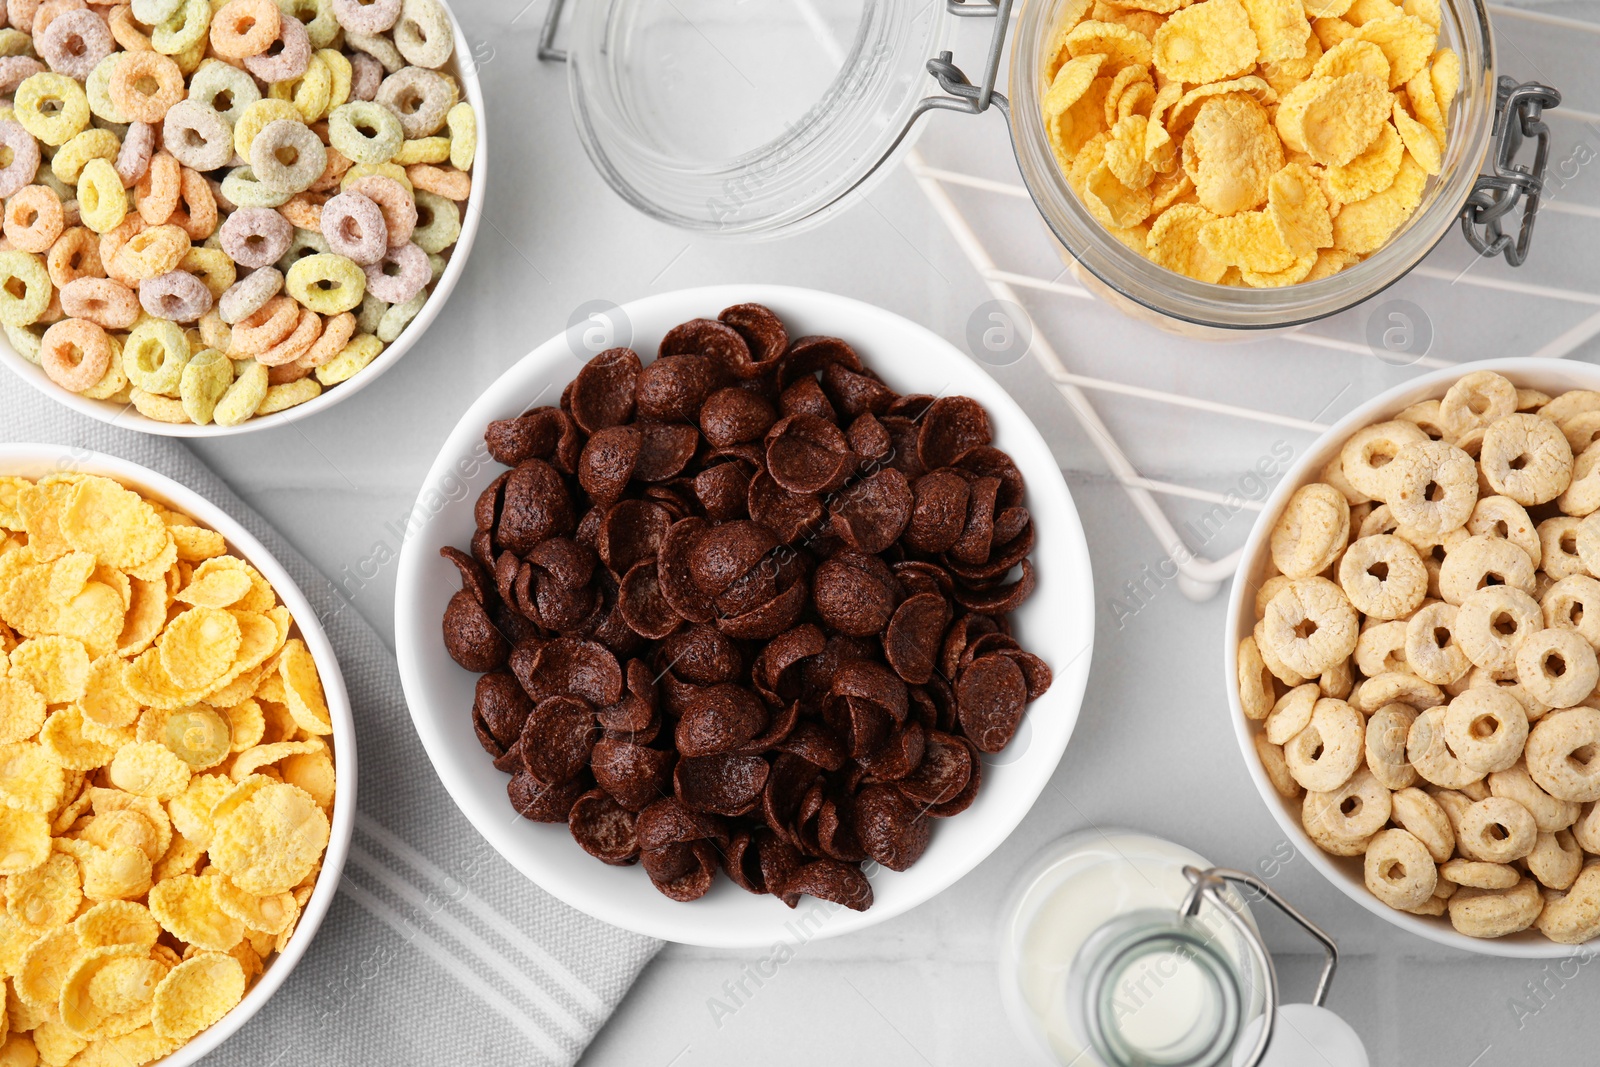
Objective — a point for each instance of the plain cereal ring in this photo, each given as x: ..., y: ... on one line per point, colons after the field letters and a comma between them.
x: 256, y: 237
x: 304, y: 209
x: 1496, y: 913
x: 398, y: 275
x: 456, y: 185
x: 249, y: 294
x: 326, y: 283
x: 336, y: 333
x: 1500, y: 516
x: 206, y: 378
x: 422, y: 150
x: 362, y: 350
x: 176, y: 295
x: 1526, y: 458
x: 1555, y: 860
x: 1491, y: 622
x: 1276, y: 769
x: 156, y: 406
x: 264, y: 327
x: 1479, y: 874
x: 1311, y: 531
x: 423, y: 35
x: 183, y: 35
x: 439, y: 225
x: 133, y: 158
x: 144, y: 85
x: 240, y: 187
x: 24, y: 157
x: 1431, y: 648
x: 421, y: 98
x: 366, y: 74
x: 1399, y: 870
x: 398, y: 317
x: 1574, y: 917
x: 311, y: 92
x: 1573, y: 402
x: 290, y: 62
x: 152, y: 251
x: 243, y: 397
x: 1475, y: 401
x: 462, y: 123
x: 1275, y: 666
x: 244, y: 28
x: 197, y: 136
x: 156, y: 194
x: 1366, y: 456
x: 1434, y: 487
x: 1561, y: 754
x: 1549, y: 814
x: 14, y: 70
x: 1324, y: 755
x: 354, y: 228
x: 67, y: 163
x: 1255, y: 681
x: 1557, y: 666
x: 306, y: 330
x: 1486, y: 728
x: 1582, y: 495
x: 52, y: 107
x: 96, y: 88
x: 1586, y: 830
x: 34, y: 219
x: 1311, y: 626
x: 378, y: 47
x: 1477, y: 561
x: 212, y: 266
x: 1267, y: 590
x: 25, y: 289
x: 107, y: 303
x: 286, y: 395
x: 1581, y: 430
x: 1508, y: 681
x: 1424, y: 818
x: 1291, y: 714
x: 367, y: 16
x: 1383, y: 576
x: 398, y: 207
x: 287, y: 154
x: 365, y: 132
x: 1381, y: 648
x: 154, y: 355
x: 1573, y: 603
x: 1496, y: 830
x: 75, y: 354
x: 1429, y: 752
x: 1384, y: 745
x: 1351, y: 812
x: 74, y: 43
x: 225, y: 89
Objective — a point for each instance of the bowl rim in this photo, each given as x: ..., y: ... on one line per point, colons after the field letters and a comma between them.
x: 126, y: 417
x: 1337, y: 870
x: 34, y: 460
x: 686, y: 925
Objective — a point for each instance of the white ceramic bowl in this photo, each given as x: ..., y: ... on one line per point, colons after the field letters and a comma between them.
x: 1057, y: 623
x: 462, y: 66
x: 35, y: 461
x: 1550, y: 375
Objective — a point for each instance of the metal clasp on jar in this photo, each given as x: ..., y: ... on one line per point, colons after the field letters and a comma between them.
x: 1519, y: 111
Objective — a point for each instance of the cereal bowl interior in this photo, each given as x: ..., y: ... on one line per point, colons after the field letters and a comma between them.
x: 35, y: 461
x: 1349, y: 872
x: 339, y: 362
x: 1055, y: 623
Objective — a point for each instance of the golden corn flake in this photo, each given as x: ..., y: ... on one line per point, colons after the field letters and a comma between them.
x: 1445, y: 74
x: 196, y: 734
x: 1206, y: 42
x: 1344, y: 118
x: 108, y: 993
x: 1113, y: 204
x: 64, y: 742
x: 148, y: 769
x: 45, y: 966
x: 1073, y: 129
x: 1120, y: 45
x: 46, y: 896
x: 1366, y: 225
x: 1407, y: 42
x: 11, y: 488
x: 150, y: 684
x: 1331, y: 261
x: 1281, y: 28
x: 1418, y: 140
x: 1331, y: 31
x: 116, y: 525
x: 1296, y: 272
x: 220, y: 588
x: 146, y: 615
x: 118, y: 922
x: 267, y: 843
x: 1174, y: 243
x: 196, y: 543
x: 195, y: 994
x: 313, y: 772
x: 1371, y: 172
x: 1364, y: 11
x: 22, y: 710
x: 1183, y: 112
x: 1300, y: 210
x: 1354, y: 56
x: 106, y: 801
x: 1070, y: 83
x: 121, y: 872
x: 1248, y: 240
x: 182, y: 857
x: 29, y: 780
x: 1325, y: 9
x: 252, y: 760
x: 106, y: 700
x: 1231, y: 153
x: 187, y: 907
x: 41, y: 506
x: 123, y: 829
x: 246, y: 724
x: 271, y: 914
x: 199, y: 646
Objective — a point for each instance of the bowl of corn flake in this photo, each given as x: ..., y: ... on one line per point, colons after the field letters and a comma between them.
x: 1247, y: 164
x: 177, y: 765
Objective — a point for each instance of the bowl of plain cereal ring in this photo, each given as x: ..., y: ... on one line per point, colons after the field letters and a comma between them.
x: 1411, y: 656
x: 795, y: 614
x: 1227, y: 165
x: 219, y: 218
x: 177, y: 765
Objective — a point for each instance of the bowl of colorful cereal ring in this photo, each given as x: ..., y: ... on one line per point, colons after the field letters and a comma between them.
x: 177, y: 764
x: 785, y: 606
x: 217, y: 222
x: 1411, y: 656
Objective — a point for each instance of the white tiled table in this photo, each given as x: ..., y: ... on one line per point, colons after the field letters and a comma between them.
x: 1152, y: 750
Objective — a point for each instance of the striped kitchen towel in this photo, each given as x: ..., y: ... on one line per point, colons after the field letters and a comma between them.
x: 436, y: 950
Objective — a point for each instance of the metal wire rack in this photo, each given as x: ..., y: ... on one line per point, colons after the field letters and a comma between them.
x: 1199, y: 578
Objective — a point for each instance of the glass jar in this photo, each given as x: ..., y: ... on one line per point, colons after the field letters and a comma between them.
x: 1119, y: 949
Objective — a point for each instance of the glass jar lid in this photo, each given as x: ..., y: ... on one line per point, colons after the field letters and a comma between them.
x: 744, y: 117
